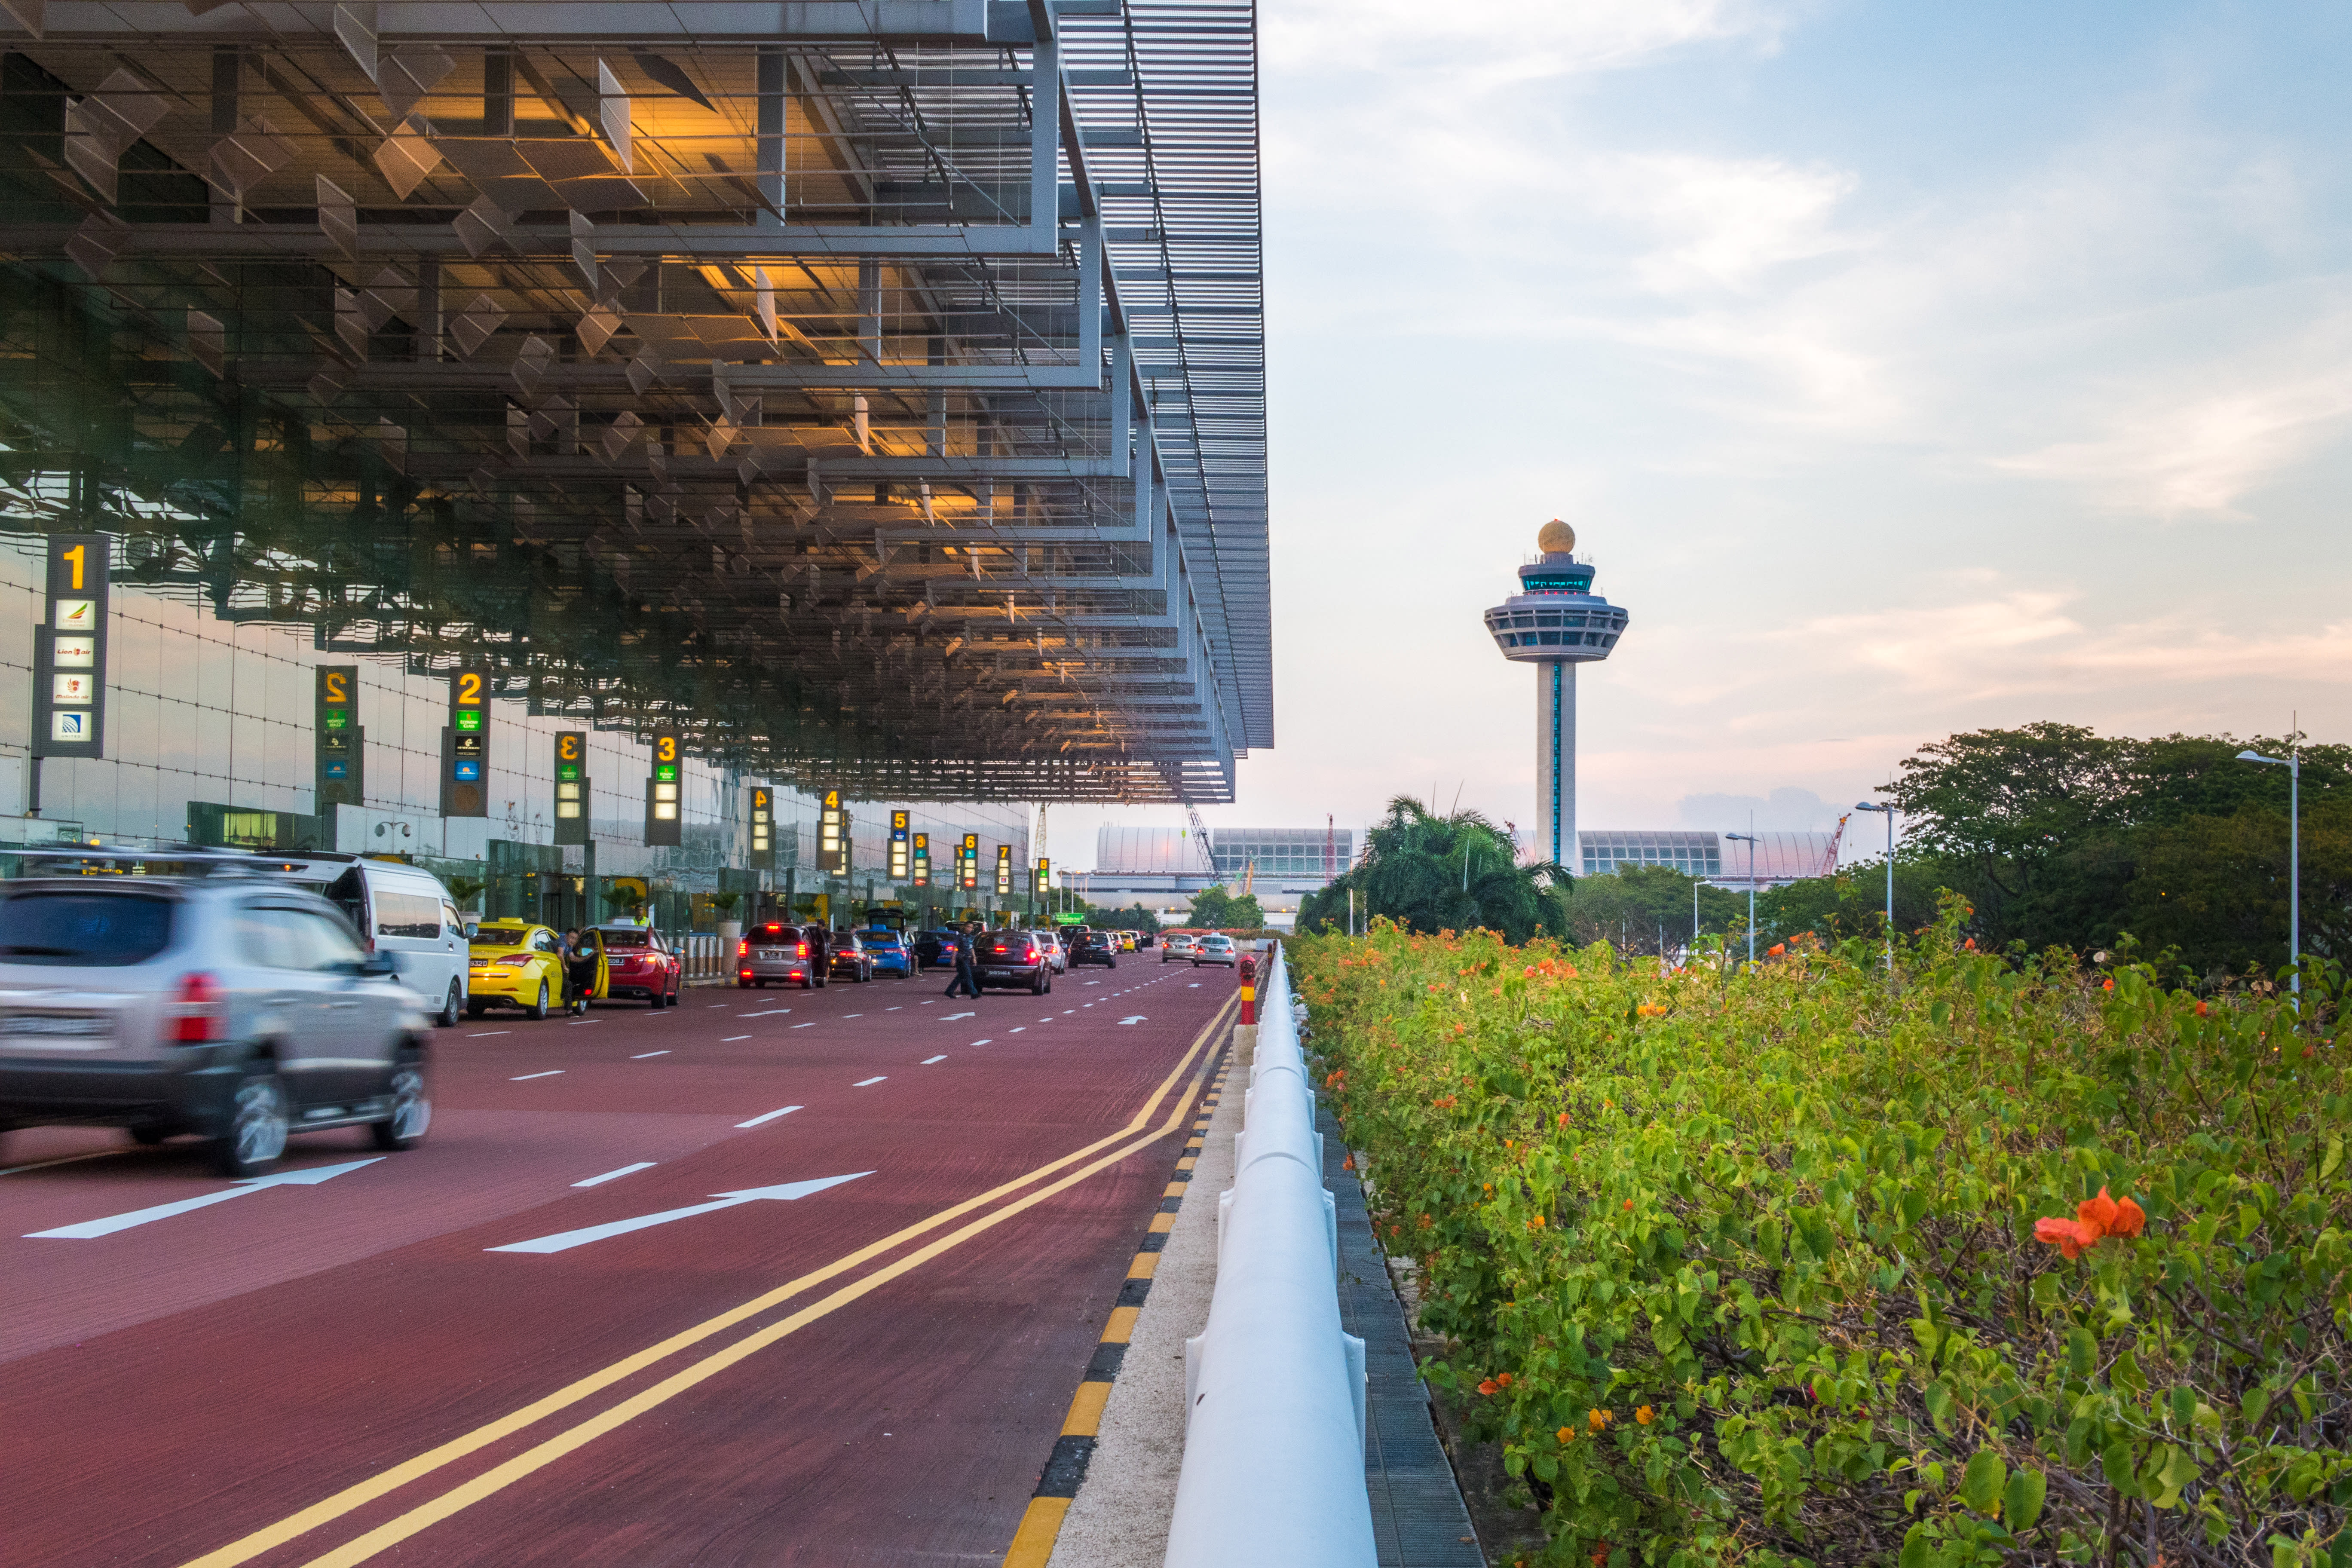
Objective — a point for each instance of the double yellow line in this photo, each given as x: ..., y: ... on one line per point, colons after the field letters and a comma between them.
x: 1130, y: 1139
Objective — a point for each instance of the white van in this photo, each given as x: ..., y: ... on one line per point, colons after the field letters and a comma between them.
x: 405, y: 912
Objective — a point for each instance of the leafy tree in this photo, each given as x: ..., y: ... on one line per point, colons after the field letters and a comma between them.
x: 1432, y: 873
x: 1135, y: 919
x: 1647, y: 909
x: 1220, y: 911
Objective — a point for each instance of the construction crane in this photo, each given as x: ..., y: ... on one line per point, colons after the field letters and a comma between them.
x: 1829, y: 865
x: 1200, y: 842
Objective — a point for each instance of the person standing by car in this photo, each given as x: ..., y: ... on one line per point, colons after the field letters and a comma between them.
x: 579, y: 970
x: 966, y: 967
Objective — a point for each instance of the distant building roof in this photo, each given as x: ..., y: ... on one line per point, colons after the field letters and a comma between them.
x: 1289, y: 853
x: 1145, y: 851
x: 1779, y: 856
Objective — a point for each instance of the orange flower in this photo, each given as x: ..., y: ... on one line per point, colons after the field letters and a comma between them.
x: 1488, y: 1386
x: 2108, y: 984
x: 2070, y: 1236
x: 1348, y: 1163
x: 1971, y: 944
x: 1776, y: 949
x: 1644, y: 1415
x: 1629, y: 1205
x: 1567, y: 1434
x: 1599, y: 1419
x: 2129, y: 1218
x: 2203, y: 1009
x: 1504, y: 1379
x: 1563, y: 1118
x: 2099, y: 1211
x: 2093, y: 1218
x: 1536, y: 1222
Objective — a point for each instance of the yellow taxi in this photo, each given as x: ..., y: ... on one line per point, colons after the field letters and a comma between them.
x: 515, y: 963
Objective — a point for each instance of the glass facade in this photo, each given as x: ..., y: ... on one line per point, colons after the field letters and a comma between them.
x: 1282, y: 852
x: 1691, y: 853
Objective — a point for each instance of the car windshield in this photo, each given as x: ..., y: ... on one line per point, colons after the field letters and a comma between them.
x: 621, y: 939
x: 82, y: 930
x: 491, y: 936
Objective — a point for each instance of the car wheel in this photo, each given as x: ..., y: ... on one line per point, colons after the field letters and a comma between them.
x: 1038, y: 986
x: 452, y: 1006
x: 148, y: 1137
x: 258, y: 1121
x: 539, y: 1008
x: 412, y: 1107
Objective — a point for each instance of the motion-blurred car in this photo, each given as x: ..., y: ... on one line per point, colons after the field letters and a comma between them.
x: 1013, y: 958
x: 515, y: 965
x: 780, y: 952
x: 1175, y: 945
x: 234, y: 1006
x: 850, y: 956
x: 889, y: 950
x: 633, y: 960
x: 1215, y: 948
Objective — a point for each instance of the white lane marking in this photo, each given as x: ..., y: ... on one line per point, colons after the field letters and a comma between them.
x: 928, y: 1060
x: 1136, y: 1019
x: 551, y: 1072
x: 563, y: 1241
x: 1019, y: 1027
x: 719, y: 1004
x: 1094, y: 981
x: 893, y: 1009
x: 65, y: 1160
x: 807, y: 1025
x: 932, y: 1003
x: 90, y: 1229
x: 488, y: 1033
x: 1196, y: 986
x: 768, y: 1116
x: 1067, y: 1011
x: 770, y: 1012
x: 980, y: 1042
x: 869, y: 1082
x: 731, y: 1039
x: 643, y: 1055
x: 951, y: 1017
x: 609, y: 1175
x: 583, y: 1023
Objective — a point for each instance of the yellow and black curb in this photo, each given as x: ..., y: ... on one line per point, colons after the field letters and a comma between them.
x: 1066, y: 1471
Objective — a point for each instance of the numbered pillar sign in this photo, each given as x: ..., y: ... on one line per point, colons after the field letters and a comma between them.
x: 833, y: 836
x: 465, y: 770
x: 968, y: 873
x: 574, y: 791
x: 664, y: 822
x: 69, y: 650
x: 763, y: 828
x: 339, y: 746
x: 901, y: 842
x: 922, y: 860
x: 1005, y: 870
x: 1044, y: 877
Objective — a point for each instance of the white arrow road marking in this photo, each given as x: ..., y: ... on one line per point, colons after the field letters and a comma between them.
x: 927, y: 1061
x: 951, y: 1017
x: 1136, y: 1019
x: 770, y: 1012
x: 88, y: 1229
x: 563, y: 1241
x: 551, y: 1072
x: 868, y: 1082
x: 609, y: 1175
x: 768, y: 1116
x: 643, y: 1055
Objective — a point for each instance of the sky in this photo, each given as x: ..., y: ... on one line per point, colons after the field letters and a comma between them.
x: 1905, y: 369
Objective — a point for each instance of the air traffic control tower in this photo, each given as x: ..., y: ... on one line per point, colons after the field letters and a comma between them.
x: 1556, y: 622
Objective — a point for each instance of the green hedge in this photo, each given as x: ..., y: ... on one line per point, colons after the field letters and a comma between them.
x: 1742, y: 1267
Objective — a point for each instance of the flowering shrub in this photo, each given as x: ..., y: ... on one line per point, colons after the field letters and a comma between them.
x: 1808, y: 1263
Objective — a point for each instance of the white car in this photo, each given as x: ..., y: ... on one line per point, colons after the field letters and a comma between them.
x: 1056, y: 953
x: 1176, y: 945
x: 1215, y: 949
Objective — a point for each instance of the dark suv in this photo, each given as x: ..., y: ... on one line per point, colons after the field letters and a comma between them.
x: 1013, y: 958
x: 237, y: 1007
x: 1097, y: 947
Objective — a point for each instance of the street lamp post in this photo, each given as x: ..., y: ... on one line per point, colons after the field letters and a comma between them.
x: 1889, y: 810
x: 1749, y: 839
x: 2292, y: 763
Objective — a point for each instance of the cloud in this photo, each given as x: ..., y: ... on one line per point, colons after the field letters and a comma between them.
x: 1788, y: 809
x: 1498, y: 38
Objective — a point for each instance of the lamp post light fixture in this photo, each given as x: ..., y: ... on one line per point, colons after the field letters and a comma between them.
x: 1890, y: 811
x: 2292, y: 763
x: 1749, y: 839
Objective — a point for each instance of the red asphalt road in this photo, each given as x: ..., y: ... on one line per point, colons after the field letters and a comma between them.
x: 173, y: 1388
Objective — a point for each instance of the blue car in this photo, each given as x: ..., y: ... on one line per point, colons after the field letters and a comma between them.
x: 889, y: 950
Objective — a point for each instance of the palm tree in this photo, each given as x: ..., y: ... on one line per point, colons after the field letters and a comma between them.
x: 1434, y: 873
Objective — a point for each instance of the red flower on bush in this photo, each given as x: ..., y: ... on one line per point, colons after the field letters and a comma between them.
x: 2094, y: 1219
x: 1776, y: 949
x: 1488, y: 1386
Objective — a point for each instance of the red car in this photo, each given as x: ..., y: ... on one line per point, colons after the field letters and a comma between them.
x: 637, y: 963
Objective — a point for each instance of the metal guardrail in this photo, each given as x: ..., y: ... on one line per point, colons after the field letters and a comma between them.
x: 1273, y: 1388
x: 703, y: 954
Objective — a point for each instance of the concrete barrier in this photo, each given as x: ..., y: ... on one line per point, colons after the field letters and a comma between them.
x: 1274, y: 1389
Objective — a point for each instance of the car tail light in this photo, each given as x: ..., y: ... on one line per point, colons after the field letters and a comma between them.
x: 801, y: 952
x: 199, y: 1013
x: 743, y: 947
x: 513, y: 961
x: 746, y: 974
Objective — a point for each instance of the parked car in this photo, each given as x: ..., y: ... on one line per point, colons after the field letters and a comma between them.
x: 780, y: 952
x: 515, y: 963
x: 1175, y: 945
x: 891, y: 955
x: 235, y: 1006
x: 634, y: 961
x: 1095, y: 947
x: 398, y: 909
x: 850, y: 956
x: 1215, y: 948
x: 933, y: 949
x: 1013, y: 958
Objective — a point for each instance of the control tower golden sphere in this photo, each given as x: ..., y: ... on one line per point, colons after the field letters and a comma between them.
x: 1556, y: 537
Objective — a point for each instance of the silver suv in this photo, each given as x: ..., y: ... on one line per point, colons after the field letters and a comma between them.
x: 235, y: 1006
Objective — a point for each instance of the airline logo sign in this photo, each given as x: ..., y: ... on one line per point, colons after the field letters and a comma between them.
x: 465, y: 774
x: 763, y: 828
x: 922, y: 859
x: 664, y: 820
x: 338, y: 745
x: 901, y: 841
x: 70, y: 649
x: 575, y: 792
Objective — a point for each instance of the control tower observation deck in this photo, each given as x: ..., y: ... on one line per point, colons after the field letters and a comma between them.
x: 1556, y: 622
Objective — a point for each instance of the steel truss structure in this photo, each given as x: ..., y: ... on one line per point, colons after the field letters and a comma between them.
x: 873, y: 392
